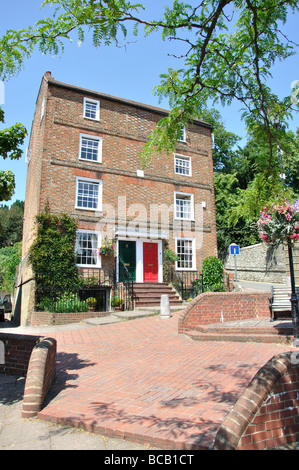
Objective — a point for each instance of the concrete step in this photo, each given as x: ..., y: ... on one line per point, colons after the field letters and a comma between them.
x: 286, y: 331
x: 241, y: 335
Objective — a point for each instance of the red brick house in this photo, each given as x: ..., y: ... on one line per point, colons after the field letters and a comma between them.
x: 83, y: 159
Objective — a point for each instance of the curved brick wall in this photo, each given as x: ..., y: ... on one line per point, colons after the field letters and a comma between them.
x: 216, y: 307
x: 41, y: 373
x: 267, y: 413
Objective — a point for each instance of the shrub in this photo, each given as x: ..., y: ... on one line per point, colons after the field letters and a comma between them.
x: 66, y: 303
x: 116, y: 301
x: 212, y: 272
x: 169, y: 259
x: 10, y: 258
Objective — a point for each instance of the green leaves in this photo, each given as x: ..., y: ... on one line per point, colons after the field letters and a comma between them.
x: 212, y: 274
x: 105, y: 19
x: 10, y: 141
x: 230, y: 47
x: 11, y: 223
x: 10, y: 258
x: 7, y: 185
x: 52, y: 254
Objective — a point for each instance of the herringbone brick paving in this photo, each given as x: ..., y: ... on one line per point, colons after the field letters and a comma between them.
x: 142, y: 381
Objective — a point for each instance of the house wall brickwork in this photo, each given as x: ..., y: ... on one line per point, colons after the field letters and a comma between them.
x: 34, y: 169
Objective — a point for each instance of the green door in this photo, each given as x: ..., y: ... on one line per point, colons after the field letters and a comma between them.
x: 127, y: 261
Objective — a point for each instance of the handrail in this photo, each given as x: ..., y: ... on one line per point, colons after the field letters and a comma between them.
x: 126, y: 270
x: 184, y: 282
x: 128, y: 283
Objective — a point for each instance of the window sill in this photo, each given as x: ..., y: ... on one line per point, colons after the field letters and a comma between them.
x: 89, y: 161
x: 89, y: 209
x: 89, y: 266
x: 186, y: 220
x: 91, y: 119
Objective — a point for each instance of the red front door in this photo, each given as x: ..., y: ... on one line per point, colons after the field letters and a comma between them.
x: 150, y: 262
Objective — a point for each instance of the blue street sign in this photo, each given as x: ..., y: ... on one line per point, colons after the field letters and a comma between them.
x: 234, y: 249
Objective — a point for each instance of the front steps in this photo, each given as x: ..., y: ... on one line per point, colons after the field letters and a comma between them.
x: 148, y: 294
x: 241, y: 334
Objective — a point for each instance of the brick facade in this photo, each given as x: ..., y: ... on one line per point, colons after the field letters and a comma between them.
x: 56, y: 172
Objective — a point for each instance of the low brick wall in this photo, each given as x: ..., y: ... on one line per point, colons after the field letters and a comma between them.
x: 216, y: 307
x: 17, y: 353
x: 51, y: 319
x: 267, y: 413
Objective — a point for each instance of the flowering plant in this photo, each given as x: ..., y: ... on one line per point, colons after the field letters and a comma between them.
x: 197, y: 285
x: 279, y: 223
x: 106, y: 249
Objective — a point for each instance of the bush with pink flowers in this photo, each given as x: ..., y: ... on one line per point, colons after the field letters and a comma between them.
x: 279, y: 223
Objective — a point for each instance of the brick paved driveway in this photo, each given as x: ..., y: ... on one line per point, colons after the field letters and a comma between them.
x: 142, y: 381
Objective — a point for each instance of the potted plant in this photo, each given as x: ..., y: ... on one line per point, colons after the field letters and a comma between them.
x: 107, y: 248
x: 91, y: 302
x: 117, y: 303
x: 279, y: 223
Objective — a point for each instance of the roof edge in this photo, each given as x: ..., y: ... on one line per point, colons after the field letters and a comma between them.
x: 162, y: 111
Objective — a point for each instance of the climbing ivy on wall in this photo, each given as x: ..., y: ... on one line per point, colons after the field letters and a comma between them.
x: 52, y: 254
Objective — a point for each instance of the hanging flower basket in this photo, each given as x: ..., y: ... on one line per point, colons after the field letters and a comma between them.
x: 107, y: 249
x: 279, y: 223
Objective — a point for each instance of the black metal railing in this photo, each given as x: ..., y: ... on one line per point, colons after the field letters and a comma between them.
x: 98, y: 290
x: 125, y: 285
x: 188, y: 284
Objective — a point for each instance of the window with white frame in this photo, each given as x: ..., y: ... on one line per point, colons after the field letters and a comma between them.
x: 87, y: 244
x: 182, y: 137
x: 90, y: 148
x: 185, y: 249
x: 182, y: 165
x: 184, y: 206
x: 88, y: 194
x: 91, y: 109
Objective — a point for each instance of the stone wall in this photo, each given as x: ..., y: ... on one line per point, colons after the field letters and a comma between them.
x: 295, y: 262
x: 261, y: 263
